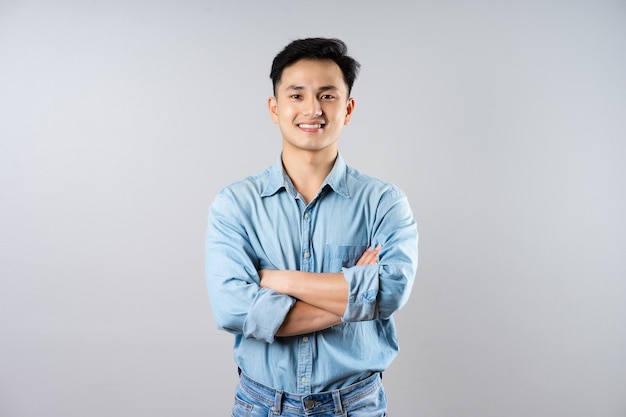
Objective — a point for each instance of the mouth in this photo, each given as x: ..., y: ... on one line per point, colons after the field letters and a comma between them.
x: 311, y: 127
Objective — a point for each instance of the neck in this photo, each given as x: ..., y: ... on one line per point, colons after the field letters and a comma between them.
x: 308, y: 170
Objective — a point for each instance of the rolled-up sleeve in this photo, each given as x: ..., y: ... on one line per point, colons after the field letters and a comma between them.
x: 238, y: 303
x: 377, y: 291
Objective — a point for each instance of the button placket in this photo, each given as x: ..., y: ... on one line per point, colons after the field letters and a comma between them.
x: 305, y: 347
x: 307, y: 258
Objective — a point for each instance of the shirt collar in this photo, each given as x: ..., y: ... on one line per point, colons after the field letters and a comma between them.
x: 278, y: 179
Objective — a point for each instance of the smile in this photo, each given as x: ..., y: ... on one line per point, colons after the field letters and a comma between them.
x: 307, y: 126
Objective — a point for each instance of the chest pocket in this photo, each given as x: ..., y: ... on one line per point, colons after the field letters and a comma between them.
x: 340, y: 256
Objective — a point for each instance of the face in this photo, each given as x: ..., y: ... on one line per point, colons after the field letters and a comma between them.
x: 311, y: 106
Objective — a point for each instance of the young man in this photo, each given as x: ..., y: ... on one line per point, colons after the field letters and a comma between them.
x: 307, y: 261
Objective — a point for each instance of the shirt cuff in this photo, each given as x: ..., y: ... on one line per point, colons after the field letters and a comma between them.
x: 363, y: 291
x: 266, y: 315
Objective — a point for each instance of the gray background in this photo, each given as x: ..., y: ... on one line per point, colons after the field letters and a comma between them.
x: 503, y: 121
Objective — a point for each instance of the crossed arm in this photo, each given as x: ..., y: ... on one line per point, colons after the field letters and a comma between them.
x: 322, y: 298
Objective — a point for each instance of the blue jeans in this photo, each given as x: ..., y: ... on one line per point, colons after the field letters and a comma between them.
x: 365, y: 398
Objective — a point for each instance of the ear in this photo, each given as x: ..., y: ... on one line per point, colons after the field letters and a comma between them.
x: 271, y: 106
x: 349, y: 109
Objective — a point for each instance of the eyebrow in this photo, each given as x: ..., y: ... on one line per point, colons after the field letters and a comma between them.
x: 322, y: 88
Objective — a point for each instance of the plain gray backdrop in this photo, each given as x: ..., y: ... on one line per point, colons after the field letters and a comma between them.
x: 504, y: 122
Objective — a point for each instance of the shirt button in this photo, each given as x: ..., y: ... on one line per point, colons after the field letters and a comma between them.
x: 305, y: 339
x: 307, y: 255
x: 307, y: 215
x: 304, y: 379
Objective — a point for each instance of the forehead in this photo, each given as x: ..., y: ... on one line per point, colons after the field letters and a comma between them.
x: 310, y: 73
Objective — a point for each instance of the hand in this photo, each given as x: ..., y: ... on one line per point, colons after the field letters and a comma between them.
x: 370, y: 256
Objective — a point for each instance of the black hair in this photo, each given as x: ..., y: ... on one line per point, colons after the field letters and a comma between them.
x: 316, y: 48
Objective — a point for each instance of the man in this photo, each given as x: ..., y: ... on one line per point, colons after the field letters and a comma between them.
x: 308, y: 260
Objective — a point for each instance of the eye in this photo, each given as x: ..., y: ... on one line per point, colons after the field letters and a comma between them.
x: 328, y: 97
x: 296, y: 96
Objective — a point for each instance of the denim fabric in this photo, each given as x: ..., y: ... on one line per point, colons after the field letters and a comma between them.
x: 262, y: 222
x: 363, y: 399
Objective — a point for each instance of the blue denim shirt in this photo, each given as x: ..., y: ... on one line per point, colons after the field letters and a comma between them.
x: 262, y: 222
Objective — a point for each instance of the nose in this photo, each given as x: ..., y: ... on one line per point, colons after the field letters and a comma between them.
x: 312, y: 107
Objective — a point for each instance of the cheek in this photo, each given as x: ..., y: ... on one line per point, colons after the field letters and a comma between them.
x: 287, y: 113
x: 340, y: 117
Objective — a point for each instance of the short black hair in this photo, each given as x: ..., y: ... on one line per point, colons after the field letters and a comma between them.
x: 316, y: 48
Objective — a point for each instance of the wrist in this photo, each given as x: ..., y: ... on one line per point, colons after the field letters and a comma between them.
x: 287, y: 280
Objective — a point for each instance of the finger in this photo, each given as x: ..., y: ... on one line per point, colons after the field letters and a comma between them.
x: 370, y: 256
x: 373, y: 255
x: 364, y: 258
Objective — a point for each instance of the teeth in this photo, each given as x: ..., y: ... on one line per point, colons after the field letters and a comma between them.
x: 305, y: 126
